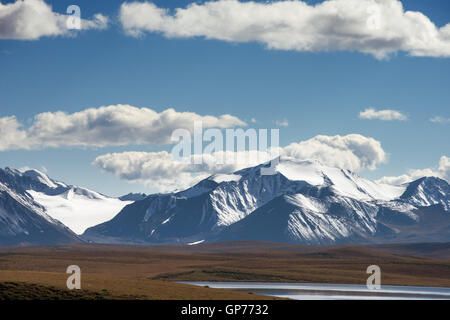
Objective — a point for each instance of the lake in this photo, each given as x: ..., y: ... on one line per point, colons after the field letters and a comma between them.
x: 315, y: 291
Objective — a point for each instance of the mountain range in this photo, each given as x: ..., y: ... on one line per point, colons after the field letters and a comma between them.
x: 35, y: 209
x: 302, y: 202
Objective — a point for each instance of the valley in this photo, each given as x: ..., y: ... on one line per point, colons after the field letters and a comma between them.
x: 151, y: 272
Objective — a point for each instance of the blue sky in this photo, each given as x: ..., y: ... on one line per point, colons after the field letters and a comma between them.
x: 317, y: 92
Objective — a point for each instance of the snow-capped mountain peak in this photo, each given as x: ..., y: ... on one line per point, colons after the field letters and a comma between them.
x: 219, y: 178
x: 76, y: 207
x: 133, y: 197
x: 24, y: 221
x: 302, y: 201
x: 42, y: 178
x: 428, y: 191
x: 342, y: 181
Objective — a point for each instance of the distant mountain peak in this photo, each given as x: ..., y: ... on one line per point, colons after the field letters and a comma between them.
x: 428, y: 191
x: 24, y: 221
x: 76, y: 207
x: 133, y: 197
x: 41, y: 177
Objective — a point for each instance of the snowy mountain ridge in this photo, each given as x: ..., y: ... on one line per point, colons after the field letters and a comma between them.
x: 76, y: 207
x: 23, y: 221
x: 303, y: 201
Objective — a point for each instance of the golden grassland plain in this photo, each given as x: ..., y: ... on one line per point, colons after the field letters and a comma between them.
x: 150, y: 272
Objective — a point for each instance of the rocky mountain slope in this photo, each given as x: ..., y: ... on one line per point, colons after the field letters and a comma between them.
x: 303, y: 202
x: 35, y: 209
x: 23, y: 221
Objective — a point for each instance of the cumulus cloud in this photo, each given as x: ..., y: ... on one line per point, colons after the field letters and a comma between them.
x: 444, y: 167
x: 354, y: 151
x: 113, y: 125
x: 165, y: 172
x: 11, y: 134
x: 439, y: 119
x: 442, y: 171
x: 33, y: 19
x: 377, y: 27
x: 386, y: 115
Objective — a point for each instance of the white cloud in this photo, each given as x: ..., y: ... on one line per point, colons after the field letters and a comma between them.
x: 442, y: 171
x: 11, y: 134
x: 282, y: 123
x: 439, y: 119
x: 386, y: 115
x: 114, y: 125
x: 354, y: 151
x: 32, y: 19
x: 161, y: 170
x: 377, y: 27
x: 444, y: 168
x: 157, y: 167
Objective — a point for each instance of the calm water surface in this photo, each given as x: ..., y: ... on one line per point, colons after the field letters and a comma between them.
x: 315, y: 291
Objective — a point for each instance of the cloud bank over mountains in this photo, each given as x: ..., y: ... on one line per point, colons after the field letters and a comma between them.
x: 33, y: 19
x: 114, y: 125
x: 125, y: 125
x: 376, y: 27
x: 160, y: 169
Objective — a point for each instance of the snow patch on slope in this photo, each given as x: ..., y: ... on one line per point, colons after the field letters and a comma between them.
x: 301, y: 171
x: 196, y: 242
x: 42, y: 178
x: 79, y: 208
x: 14, y: 223
x: 322, y: 221
x: 315, y: 227
x: 424, y: 199
x: 219, y: 178
x: 341, y: 181
x: 306, y: 202
x: 379, y: 191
